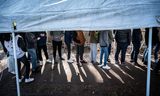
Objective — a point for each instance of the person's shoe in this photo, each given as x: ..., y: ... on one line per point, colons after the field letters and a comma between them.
x: 132, y: 60
x: 123, y: 63
x: 116, y: 62
x: 13, y: 72
x: 20, y: 80
x: 29, y: 80
x: 106, y: 67
x: 70, y: 61
x: 109, y: 60
x: 79, y: 64
x: 62, y: 58
x: 83, y: 61
x: 100, y: 65
x: 48, y: 61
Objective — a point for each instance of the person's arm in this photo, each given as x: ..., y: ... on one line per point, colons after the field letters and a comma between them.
x: 21, y: 44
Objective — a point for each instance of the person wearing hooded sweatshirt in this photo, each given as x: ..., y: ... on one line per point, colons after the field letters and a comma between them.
x: 20, y: 54
x: 104, y: 44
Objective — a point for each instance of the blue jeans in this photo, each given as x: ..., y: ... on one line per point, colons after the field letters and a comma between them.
x: 33, y: 57
x: 121, y: 47
x: 104, y: 50
x: 109, y: 50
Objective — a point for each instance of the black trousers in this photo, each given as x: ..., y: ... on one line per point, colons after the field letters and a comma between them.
x: 39, y: 49
x: 69, y: 50
x: 80, y: 51
x: 26, y: 64
x: 55, y: 45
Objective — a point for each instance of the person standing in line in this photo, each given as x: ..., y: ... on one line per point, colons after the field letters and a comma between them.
x: 42, y: 45
x: 68, y: 36
x: 79, y: 39
x: 20, y: 54
x: 123, y: 38
x: 93, y: 46
x: 104, y: 44
x: 57, y: 42
x: 31, y: 43
x: 136, y: 41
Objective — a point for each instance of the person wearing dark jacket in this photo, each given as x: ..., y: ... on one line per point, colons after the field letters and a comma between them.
x: 20, y: 54
x: 155, y: 42
x: 31, y: 44
x: 136, y: 41
x: 68, y: 40
x: 122, y: 38
x: 42, y: 45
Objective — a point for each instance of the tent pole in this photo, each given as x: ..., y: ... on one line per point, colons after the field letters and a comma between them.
x: 149, y: 63
x: 16, y: 67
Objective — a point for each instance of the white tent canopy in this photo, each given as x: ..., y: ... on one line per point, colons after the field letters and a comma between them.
x: 41, y: 15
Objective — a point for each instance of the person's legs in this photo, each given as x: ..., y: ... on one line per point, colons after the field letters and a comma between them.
x: 101, y: 54
x: 44, y: 47
x: 54, y: 44
x: 81, y: 51
x: 33, y: 55
x: 105, y: 55
x: 91, y: 52
x: 39, y: 48
x: 117, y: 52
x: 123, y: 54
x: 94, y: 53
x: 137, y: 46
x: 156, y: 52
x: 69, y: 50
x: 109, y: 50
x: 59, y: 49
x: 77, y: 53
x: 27, y: 66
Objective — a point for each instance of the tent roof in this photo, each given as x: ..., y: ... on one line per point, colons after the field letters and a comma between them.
x: 41, y: 15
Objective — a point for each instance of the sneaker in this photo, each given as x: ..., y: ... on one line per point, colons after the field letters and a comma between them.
x: 106, y: 67
x: 29, y: 80
x: 79, y: 64
x: 83, y: 61
x: 100, y: 65
x: 116, y: 62
x: 123, y: 63
x: 40, y: 62
x: 13, y: 72
x: 48, y: 61
x: 62, y: 58
x: 132, y: 60
x: 70, y: 61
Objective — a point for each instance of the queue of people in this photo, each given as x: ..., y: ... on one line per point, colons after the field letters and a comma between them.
x: 34, y: 42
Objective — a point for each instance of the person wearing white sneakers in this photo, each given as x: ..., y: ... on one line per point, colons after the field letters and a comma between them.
x: 20, y: 54
x: 68, y: 40
x: 104, y: 48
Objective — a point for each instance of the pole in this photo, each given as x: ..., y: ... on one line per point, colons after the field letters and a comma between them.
x: 149, y: 63
x: 15, y: 60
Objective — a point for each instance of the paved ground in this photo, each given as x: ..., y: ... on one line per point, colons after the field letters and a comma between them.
x: 65, y: 79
